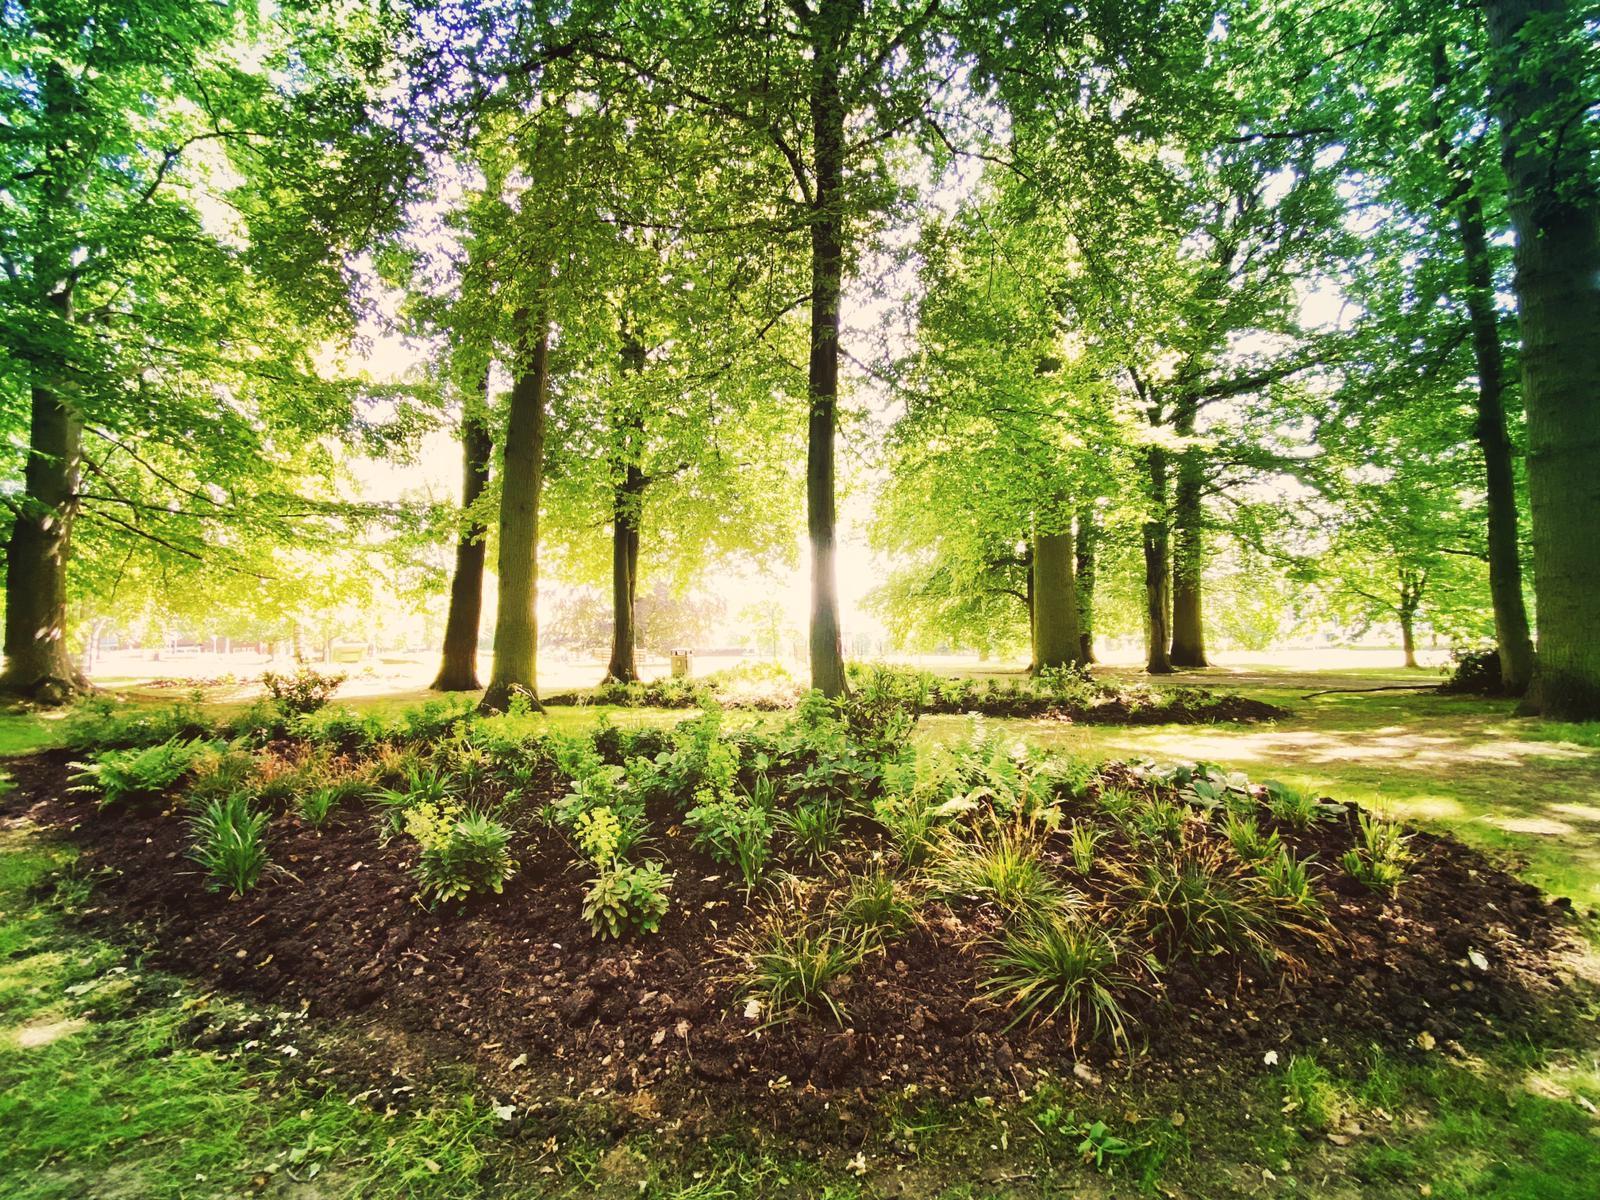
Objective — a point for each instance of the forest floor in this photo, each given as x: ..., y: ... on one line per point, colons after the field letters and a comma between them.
x: 136, y: 1106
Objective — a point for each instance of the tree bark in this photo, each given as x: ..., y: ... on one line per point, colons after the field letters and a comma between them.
x: 1188, y: 557
x: 1086, y: 550
x: 1513, y: 638
x: 1540, y: 99
x: 458, y: 668
x: 827, y: 282
x: 39, y: 664
x: 1055, y: 607
x: 1157, y: 570
x: 1408, y: 636
x: 627, y: 512
x: 516, y: 629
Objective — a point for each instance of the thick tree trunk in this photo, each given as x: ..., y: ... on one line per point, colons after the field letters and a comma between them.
x: 458, y: 669
x: 1541, y: 99
x: 827, y: 284
x: 1512, y: 634
x: 1055, y: 603
x: 1157, y: 571
x: 1408, y: 635
x: 1188, y: 551
x: 516, y: 628
x: 1086, y: 549
x: 39, y: 664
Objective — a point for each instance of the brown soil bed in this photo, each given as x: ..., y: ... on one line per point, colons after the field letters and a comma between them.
x: 520, y: 990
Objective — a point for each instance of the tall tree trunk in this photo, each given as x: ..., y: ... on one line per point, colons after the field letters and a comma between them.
x: 1189, y: 549
x: 39, y: 664
x: 1086, y: 550
x: 458, y: 668
x: 627, y: 514
x: 1157, y: 569
x: 627, y: 498
x: 1512, y: 635
x: 1055, y: 603
x: 1541, y: 99
x: 516, y: 627
x: 827, y: 282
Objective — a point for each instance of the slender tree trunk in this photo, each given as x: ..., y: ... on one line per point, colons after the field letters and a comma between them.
x: 1541, y: 99
x: 1031, y: 594
x: 1512, y: 634
x: 39, y: 664
x: 516, y: 628
x: 1157, y: 570
x: 1055, y: 603
x: 458, y: 669
x: 1189, y: 549
x: 627, y: 498
x: 1086, y: 550
x: 827, y: 282
x: 627, y: 514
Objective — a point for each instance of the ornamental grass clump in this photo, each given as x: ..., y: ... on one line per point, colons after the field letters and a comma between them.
x: 229, y: 841
x: 1063, y: 969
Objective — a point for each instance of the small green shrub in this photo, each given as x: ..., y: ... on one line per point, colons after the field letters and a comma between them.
x: 303, y: 692
x: 733, y: 831
x: 229, y: 841
x: 1380, y: 861
x: 100, y: 722
x: 913, y: 823
x: 1062, y: 967
x: 460, y: 856
x: 1293, y: 807
x: 1085, y: 838
x: 317, y: 805
x: 813, y: 828
x: 790, y: 962
x: 1004, y: 869
x: 1244, y: 834
x: 1286, y: 879
x: 598, y: 832
x: 423, y: 787
x: 1196, y: 904
x: 122, y: 776
x: 625, y: 896
x: 877, y: 905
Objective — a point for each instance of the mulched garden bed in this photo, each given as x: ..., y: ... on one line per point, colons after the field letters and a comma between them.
x: 520, y: 987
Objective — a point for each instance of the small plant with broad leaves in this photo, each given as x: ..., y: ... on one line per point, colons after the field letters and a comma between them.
x: 1380, y: 860
x: 123, y: 776
x: 459, y: 854
x: 1100, y: 1148
x: 1062, y: 968
x: 734, y: 831
x: 303, y: 692
x: 598, y: 832
x: 627, y: 897
x: 229, y: 841
x: 1295, y: 808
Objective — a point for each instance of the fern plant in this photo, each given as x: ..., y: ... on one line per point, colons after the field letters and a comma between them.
x: 230, y: 843
x: 120, y: 776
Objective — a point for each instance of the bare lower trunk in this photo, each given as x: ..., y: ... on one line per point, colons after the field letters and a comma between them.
x: 458, y: 669
x: 1541, y: 98
x: 1157, y: 572
x: 1055, y: 603
x: 1086, y: 550
x: 38, y: 662
x: 827, y: 276
x: 623, y: 667
x: 1408, y: 637
x: 516, y: 629
x: 1188, y: 552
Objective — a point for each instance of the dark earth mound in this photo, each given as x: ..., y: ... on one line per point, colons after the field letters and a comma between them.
x: 517, y: 984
